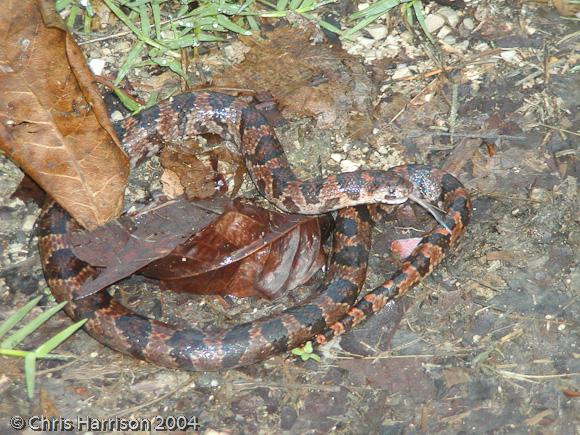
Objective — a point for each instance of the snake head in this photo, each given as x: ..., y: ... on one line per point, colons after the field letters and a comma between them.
x: 388, y: 187
x: 392, y: 188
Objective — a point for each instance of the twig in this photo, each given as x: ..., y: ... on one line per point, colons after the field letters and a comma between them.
x: 288, y: 386
x: 24, y: 264
x: 510, y: 197
x: 474, y: 135
x: 560, y: 129
x: 533, y: 378
x: 400, y: 112
x: 453, y: 112
x: 444, y: 69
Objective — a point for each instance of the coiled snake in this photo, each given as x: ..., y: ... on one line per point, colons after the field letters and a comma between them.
x: 329, y: 313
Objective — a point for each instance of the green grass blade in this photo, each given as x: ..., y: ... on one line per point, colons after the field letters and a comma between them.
x: 30, y: 373
x: 281, y: 5
x: 132, y: 58
x: 138, y: 3
x: 23, y: 353
x: 87, y: 23
x: 156, y: 9
x: 379, y: 7
x: 70, y: 21
x: 128, y: 102
x: 144, y: 18
x: 324, y: 24
x: 307, y: 5
x: 18, y: 315
x: 267, y: 3
x: 421, y: 19
x: 253, y: 24
x: 361, y: 25
x: 294, y: 4
x: 127, y: 21
x: 57, y: 339
x: 331, y: 27
x: 182, y: 41
x: 225, y: 22
x: 30, y: 327
x: 242, y: 8
x: 206, y: 37
x: 61, y: 4
x: 89, y: 9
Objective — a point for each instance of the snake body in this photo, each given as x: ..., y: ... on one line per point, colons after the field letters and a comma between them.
x: 331, y: 312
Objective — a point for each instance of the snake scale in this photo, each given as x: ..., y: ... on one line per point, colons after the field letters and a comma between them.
x: 332, y: 311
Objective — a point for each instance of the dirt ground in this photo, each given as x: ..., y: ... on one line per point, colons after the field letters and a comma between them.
x: 488, y: 344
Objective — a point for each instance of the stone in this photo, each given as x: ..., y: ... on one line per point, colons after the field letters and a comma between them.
x: 97, y: 66
x: 468, y: 23
x: 348, y: 166
x: 434, y: 22
x: 450, y: 39
x: 378, y: 32
x: 365, y: 42
x: 450, y: 15
x: 443, y: 32
x: 401, y: 72
x: 337, y: 157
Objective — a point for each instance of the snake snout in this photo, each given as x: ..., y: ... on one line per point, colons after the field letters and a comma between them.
x: 397, y: 190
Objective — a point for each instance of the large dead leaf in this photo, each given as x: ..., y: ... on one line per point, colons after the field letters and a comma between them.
x: 126, y: 245
x: 52, y: 122
x: 247, y: 251
x: 306, y: 80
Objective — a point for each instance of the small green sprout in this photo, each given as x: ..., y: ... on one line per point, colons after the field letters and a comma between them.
x: 306, y: 352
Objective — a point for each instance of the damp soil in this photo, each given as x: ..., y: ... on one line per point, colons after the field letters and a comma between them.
x: 488, y: 344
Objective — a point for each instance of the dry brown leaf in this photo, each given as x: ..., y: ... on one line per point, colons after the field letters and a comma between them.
x: 125, y: 245
x: 51, y: 119
x: 247, y: 251
x: 196, y: 179
x: 306, y: 80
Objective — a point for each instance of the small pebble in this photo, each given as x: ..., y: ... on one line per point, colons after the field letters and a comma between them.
x: 402, y: 71
x: 434, y: 22
x: 443, y: 32
x: 468, y: 23
x: 450, y: 39
x: 28, y: 223
x: 508, y: 55
x: 365, y: 42
x: 462, y: 45
x: 97, y: 66
x: 362, y: 6
x: 451, y: 15
x: 378, y: 32
x: 116, y: 116
x: 348, y: 166
x: 539, y: 194
x: 337, y: 157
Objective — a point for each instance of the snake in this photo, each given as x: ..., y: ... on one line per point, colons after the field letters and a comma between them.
x: 331, y: 311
